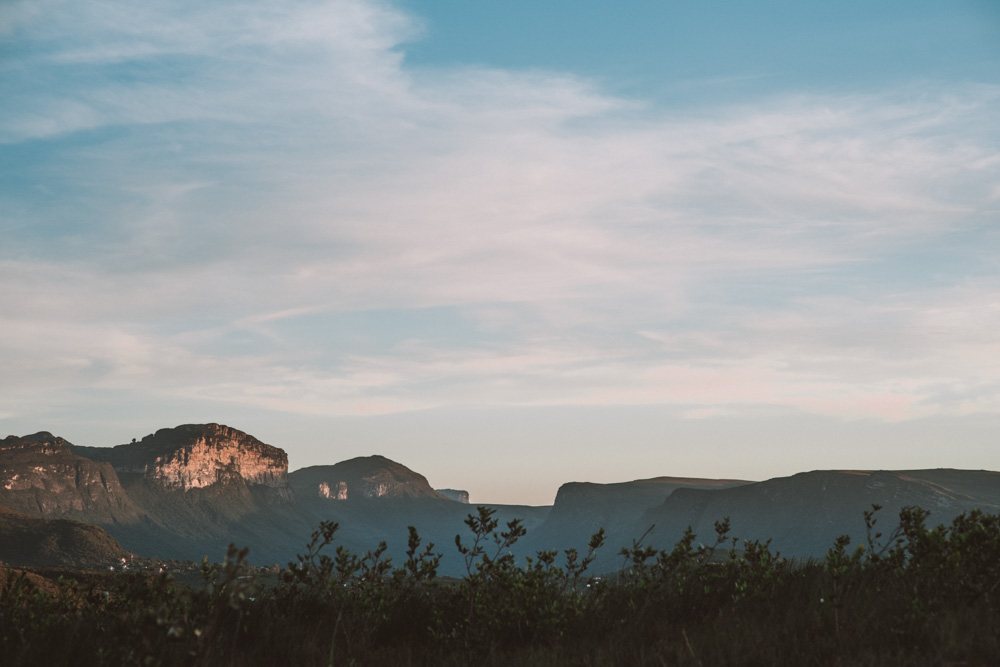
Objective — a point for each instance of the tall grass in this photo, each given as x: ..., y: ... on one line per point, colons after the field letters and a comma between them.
x: 917, y: 596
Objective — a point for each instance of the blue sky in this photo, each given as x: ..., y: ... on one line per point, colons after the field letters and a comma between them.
x: 508, y: 244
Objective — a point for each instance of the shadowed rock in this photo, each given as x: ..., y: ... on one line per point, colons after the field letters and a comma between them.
x: 457, y: 495
x: 41, y: 476
x: 365, y: 477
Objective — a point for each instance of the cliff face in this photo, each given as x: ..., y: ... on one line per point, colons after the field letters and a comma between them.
x: 39, y: 475
x: 361, y: 478
x: 581, y: 508
x: 458, y: 495
x: 195, y: 456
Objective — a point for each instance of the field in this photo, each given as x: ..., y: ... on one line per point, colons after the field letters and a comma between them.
x: 912, y: 596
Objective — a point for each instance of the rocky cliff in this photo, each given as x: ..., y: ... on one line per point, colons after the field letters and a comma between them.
x: 458, y: 495
x: 195, y: 456
x: 40, y: 475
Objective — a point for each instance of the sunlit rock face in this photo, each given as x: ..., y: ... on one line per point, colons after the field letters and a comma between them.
x: 196, y: 456
x: 215, y: 454
x: 40, y: 475
x: 338, y: 493
x: 457, y: 495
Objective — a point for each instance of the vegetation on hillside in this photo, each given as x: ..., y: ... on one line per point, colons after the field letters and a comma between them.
x: 917, y: 595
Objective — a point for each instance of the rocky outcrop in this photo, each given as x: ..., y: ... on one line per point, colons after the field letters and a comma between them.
x: 339, y: 492
x: 40, y: 476
x: 195, y: 456
x: 457, y: 495
x: 361, y: 478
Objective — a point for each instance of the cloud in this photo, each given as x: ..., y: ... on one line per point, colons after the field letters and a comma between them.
x: 234, y: 180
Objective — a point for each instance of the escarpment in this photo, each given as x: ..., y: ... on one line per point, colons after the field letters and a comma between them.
x: 41, y: 476
x: 458, y: 495
x: 196, y: 456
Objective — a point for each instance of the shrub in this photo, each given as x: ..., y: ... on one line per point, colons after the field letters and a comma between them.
x: 922, y: 595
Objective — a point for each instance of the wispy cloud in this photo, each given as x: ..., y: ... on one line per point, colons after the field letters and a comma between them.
x: 232, y: 178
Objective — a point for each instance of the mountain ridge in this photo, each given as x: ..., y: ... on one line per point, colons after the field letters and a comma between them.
x: 188, y: 491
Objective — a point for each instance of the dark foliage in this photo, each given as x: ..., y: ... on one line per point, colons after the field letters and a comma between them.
x: 928, y: 596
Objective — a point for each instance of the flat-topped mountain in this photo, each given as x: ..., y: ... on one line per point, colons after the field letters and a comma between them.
x: 582, y: 508
x: 40, y: 475
x: 804, y: 513
x: 458, y: 495
x: 602, y: 503
x: 360, y: 478
x: 194, y: 456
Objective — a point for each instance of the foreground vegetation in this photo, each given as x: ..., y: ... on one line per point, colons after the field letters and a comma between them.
x: 918, y: 595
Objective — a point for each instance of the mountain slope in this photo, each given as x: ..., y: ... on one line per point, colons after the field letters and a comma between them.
x: 360, y: 478
x: 40, y: 475
x: 29, y: 540
x: 803, y: 514
x: 581, y: 508
x: 202, y: 486
x: 375, y: 499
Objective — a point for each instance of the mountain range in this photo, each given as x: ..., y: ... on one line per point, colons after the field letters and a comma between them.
x: 187, y: 492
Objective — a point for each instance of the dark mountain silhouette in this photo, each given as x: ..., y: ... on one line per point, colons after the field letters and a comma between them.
x: 803, y: 514
x: 29, y: 540
x: 582, y: 508
x: 375, y: 499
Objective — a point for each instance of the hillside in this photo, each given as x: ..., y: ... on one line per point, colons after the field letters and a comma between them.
x: 375, y: 499
x: 582, y: 508
x: 28, y: 540
x: 40, y: 475
x: 360, y: 478
x: 804, y: 513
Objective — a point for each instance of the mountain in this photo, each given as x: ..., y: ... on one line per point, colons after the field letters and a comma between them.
x: 201, y: 486
x: 40, y: 475
x: 360, y: 478
x: 803, y: 514
x: 29, y: 540
x: 375, y: 499
x: 189, y: 491
x: 195, y: 456
x: 457, y: 495
x: 582, y: 508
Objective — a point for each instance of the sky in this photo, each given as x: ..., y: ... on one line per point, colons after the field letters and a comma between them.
x: 509, y: 245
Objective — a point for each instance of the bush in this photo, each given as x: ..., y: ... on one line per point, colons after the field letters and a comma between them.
x: 920, y: 596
